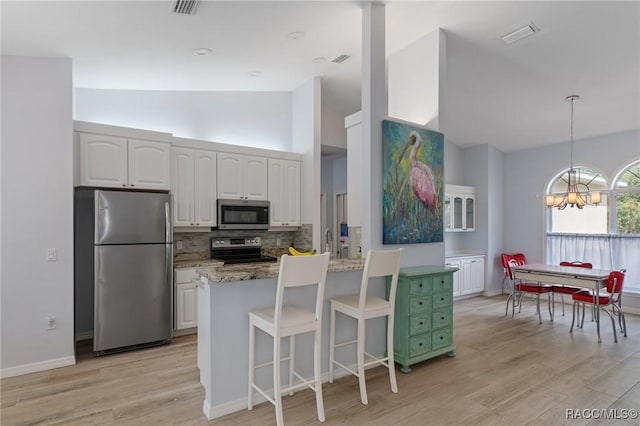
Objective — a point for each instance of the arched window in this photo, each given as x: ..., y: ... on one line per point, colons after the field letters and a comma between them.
x: 626, y: 191
x: 572, y: 220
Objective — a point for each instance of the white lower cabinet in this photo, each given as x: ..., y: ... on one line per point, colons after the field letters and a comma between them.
x: 186, y: 299
x: 469, y: 279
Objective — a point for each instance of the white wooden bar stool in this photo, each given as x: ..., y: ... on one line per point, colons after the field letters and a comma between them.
x: 379, y: 263
x: 287, y: 321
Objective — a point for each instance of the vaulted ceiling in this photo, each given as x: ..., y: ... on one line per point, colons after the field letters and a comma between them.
x: 507, y: 95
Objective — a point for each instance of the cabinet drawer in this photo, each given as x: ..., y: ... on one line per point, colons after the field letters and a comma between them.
x: 419, y: 344
x: 443, y: 284
x: 442, y: 318
x: 419, y: 286
x: 418, y: 304
x: 441, y: 300
x: 441, y: 338
x: 185, y: 275
x: 419, y: 324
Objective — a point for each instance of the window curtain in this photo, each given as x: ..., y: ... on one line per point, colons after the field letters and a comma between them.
x: 603, y: 251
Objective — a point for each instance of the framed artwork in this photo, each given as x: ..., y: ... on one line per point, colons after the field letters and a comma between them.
x: 413, y: 183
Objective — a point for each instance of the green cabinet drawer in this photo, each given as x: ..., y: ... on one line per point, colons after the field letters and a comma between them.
x: 419, y: 344
x: 442, y: 284
x: 442, y: 318
x: 418, y: 304
x: 419, y: 324
x: 441, y: 338
x: 442, y: 300
x: 419, y: 286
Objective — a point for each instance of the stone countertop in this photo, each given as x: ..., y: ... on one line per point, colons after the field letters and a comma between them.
x: 196, y: 263
x: 463, y: 253
x: 256, y: 271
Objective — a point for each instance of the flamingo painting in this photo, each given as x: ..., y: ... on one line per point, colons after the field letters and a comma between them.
x: 412, y: 184
x: 421, y: 175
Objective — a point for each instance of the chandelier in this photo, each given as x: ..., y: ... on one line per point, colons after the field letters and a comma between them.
x: 573, y: 197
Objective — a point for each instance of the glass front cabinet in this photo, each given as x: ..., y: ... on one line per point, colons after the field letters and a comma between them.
x: 459, y: 208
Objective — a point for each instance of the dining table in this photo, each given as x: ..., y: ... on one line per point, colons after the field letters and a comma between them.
x: 570, y: 276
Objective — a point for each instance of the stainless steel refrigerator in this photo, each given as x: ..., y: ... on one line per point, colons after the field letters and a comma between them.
x: 123, y: 268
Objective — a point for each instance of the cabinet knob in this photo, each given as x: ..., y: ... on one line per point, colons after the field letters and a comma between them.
x: 132, y: 185
x: 421, y: 323
x: 420, y: 303
x: 442, y: 282
x: 441, y: 318
x: 421, y: 285
x: 441, y: 299
x: 124, y: 184
x: 192, y: 224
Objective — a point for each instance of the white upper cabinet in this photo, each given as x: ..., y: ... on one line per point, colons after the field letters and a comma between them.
x: 284, y: 192
x: 193, y: 177
x: 118, y: 162
x: 459, y: 208
x: 103, y: 161
x: 242, y: 177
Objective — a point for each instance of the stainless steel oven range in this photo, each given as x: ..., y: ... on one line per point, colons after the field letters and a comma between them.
x: 238, y: 250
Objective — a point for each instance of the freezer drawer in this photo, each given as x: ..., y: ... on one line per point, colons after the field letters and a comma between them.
x: 133, y: 295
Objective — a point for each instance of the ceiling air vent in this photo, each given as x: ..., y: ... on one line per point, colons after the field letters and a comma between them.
x: 184, y: 7
x: 340, y: 59
x: 520, y: 33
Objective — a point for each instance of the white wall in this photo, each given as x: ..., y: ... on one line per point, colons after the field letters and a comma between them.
x: 305, y: 125
x: 256, y: 119
x: 334, y: 134
x: 37, y: 213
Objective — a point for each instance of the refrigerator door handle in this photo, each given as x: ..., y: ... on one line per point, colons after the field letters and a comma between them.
x: 169, y: 278
x: 167, y: 222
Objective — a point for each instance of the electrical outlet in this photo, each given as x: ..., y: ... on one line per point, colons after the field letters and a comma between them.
x: 179, y: 245
x: 50, y: 322
x: 278, y: 242
x: 51, y: 255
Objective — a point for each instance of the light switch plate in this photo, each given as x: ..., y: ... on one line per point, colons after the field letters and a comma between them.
x: 51, y: 255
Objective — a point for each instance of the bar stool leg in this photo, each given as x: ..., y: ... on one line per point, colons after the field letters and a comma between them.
x: 332, y: 341
x: 573, y: 320
x: 292, y: 360
x: 317, y: 369
x: 361, y: 346
x: 390, y: 360
x: 252, y: 370
x: 277, y: 394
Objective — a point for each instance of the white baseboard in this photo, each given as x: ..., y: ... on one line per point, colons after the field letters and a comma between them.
x: 213, y: 412
x: 35, y: 367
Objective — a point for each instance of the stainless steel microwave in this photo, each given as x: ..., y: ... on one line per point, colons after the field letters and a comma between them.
x: 243, y: 214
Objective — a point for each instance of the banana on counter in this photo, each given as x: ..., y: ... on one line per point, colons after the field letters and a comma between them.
x: 294, y: 252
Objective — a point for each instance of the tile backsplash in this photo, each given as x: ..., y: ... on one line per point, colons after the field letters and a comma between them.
x: 195, y: 245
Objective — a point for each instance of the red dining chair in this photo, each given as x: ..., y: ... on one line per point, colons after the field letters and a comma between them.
x: 504, y: 259
x: 519, y: 289
x: 560, y: 289
x: 613, y: 298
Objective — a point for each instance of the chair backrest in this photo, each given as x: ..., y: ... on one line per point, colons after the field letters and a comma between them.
x: 615, y: 282
x: 577, y: 264
x: 509, y: 259
x: 298, y: 271
x: 380, y: 263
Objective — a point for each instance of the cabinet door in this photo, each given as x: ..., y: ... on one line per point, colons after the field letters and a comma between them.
x: 149, y: 164
x: 291, y: 197
x: 230, y: 176
x: 477, y: 274
x: 466, y: 282
x: 255, y: 178
x: 182, y: 186
x: 457, y: 289
x: 103, y: 161
x: 284, y: 192
x: 205, y: 188
x: 458, y: 216
x: 276, y: 191
x: 469, y: 213
x: 186, y: 306
x: 448, y: 212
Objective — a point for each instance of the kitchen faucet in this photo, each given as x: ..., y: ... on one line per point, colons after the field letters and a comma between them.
x: 327, y: 238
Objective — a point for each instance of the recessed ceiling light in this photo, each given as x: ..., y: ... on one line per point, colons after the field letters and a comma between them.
x: 319, y: 60
x: 254, y: 73
x: 201, y: 51
x: 522, y: 32
x: 296, y: 35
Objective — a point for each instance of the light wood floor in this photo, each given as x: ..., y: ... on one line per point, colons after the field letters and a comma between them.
x: 506, y: 372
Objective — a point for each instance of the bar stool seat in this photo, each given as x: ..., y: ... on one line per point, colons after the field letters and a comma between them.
x: 288, y: 321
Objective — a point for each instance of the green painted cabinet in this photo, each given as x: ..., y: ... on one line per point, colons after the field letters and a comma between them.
x: 423, y: 321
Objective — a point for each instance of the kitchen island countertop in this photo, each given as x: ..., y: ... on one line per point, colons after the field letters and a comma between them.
x: 261, y: 270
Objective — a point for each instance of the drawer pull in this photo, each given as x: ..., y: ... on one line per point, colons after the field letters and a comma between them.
x: 441, y: 318
x: 420, y: 303
x: 441, y: 337
x: 419, y: 344
x: 441, y: 299
x: 442, y: 282
x: 420, y: 285
x: 421, y: 323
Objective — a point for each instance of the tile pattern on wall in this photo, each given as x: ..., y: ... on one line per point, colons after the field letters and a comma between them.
x: 195, y: 245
